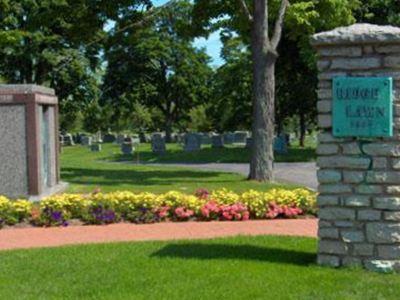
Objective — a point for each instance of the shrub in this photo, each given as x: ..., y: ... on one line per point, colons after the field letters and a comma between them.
x: 182, y: 213
x: 225, y: 196
x: 12, y: 212
x: 285, y: 211
x: 143, y: 216
x: 101, y: 208
x: 235, y: 212
x: 210, y: 211
x: 21, y: 209
x: 100, y: 214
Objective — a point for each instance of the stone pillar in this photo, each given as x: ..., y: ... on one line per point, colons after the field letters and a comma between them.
x: 359, y: 176
x: 29, y: 163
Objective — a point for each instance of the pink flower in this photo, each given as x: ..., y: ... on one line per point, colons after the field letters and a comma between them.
x: 237, y: 212
x: 227, y: 215
x: 183, y: 214
x: 210, y: 211
x: 246, y: 216
x: 274, y: 210
x: 205, y: 212
x: 163, y: 212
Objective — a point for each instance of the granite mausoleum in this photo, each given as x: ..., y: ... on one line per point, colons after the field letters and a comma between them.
x: 359, y: 161
x: 29, y: 143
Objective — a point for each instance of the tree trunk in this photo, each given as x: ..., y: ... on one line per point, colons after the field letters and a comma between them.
x: 264, y: 59
x: 168, y: 130
x: 302, y: 129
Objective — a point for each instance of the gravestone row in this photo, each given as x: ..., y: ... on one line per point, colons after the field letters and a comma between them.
x: 190, y: 141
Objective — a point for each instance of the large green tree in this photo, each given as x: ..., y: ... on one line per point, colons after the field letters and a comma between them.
x: 230, y: 105
x: 157, y: 65
x: 259, y: 23
x: 57, y: 43
x: 381, y: 12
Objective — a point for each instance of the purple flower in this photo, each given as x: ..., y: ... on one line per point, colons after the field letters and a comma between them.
x: 56, y: 216
x: 109, y: 215
x: 103, y: 215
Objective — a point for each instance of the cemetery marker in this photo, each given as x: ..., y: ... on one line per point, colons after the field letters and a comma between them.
x: 362, y: 106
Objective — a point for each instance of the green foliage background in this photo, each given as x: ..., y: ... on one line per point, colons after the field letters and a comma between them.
x: 126, y: 65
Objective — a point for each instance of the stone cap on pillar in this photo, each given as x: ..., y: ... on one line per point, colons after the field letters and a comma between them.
x: 361, y: 33
x: 27, y: 93
x: 10, y: 89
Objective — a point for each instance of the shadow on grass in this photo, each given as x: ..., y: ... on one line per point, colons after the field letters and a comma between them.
x: 245, y: 252
x: 210, y: 155
x: 205, y: 155
x: 139, y: 177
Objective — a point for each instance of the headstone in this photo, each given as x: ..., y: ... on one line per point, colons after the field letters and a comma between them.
x: 192, y: 142
x: 205, y: 138
x: 217, y: 141
x: 135, y: 140
x: 120, y: 138
x: 127, y: 148
x: 249, y: 143
x: 229, y: 138
x: 86, y: 140
x: 95, y: 147
x: 148, y: 138
x: 61, y: 139
x: 158, y: 143
x: 174, y: 138
x: 68, y: 140
x: 280, y: 144
x: 29, y: 142
x: 109, y: 138
x: 97, y: 138
x: 358, y: 154
x: 78, y: 138
x: 143, y: 138
x: 240, y: 137
x: 180, y: 138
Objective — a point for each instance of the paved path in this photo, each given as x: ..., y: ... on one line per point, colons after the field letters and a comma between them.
x: 20, y: 238
x: 298, y: 173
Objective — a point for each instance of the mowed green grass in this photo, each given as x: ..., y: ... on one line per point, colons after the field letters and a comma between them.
x: 87, y: 171
x: 264, y: 267
x: 228, y: 154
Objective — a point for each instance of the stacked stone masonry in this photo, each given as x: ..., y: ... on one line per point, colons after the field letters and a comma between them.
x: 359, y: 192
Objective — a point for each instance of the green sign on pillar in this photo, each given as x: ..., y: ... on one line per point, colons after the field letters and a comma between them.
x: 362, y: 107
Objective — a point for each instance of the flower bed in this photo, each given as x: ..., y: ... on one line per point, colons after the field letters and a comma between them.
x: 99, y: 208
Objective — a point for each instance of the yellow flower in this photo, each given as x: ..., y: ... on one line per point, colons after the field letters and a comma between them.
x: 225, y: 196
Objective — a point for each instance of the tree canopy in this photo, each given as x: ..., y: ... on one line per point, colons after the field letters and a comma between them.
x: 57, y: 43
x: 158, y: 66
x: 125, y: 64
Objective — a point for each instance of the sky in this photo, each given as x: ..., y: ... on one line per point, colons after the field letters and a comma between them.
x: 213, y: 44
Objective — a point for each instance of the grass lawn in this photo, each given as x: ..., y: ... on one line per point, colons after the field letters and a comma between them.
x: 229, y: 154
x: 86, y: 170
x: 263, y: 267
